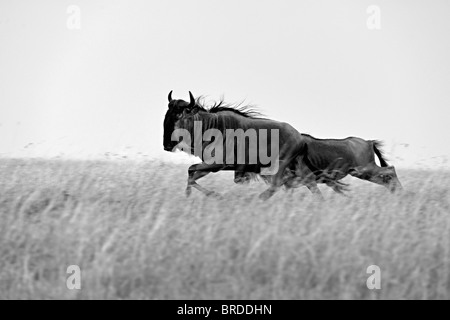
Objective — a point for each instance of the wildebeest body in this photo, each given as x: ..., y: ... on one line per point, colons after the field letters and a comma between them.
x: 333, y: 159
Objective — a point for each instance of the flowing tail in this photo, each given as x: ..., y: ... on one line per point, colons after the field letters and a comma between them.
x: 377, y: 149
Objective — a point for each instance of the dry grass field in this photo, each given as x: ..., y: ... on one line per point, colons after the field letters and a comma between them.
x: 135, y: 235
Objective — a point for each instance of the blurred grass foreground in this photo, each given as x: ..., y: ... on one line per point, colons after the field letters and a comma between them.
x: 134, y: 235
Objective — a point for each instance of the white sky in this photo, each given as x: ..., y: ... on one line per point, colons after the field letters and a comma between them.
x: 314, y: 64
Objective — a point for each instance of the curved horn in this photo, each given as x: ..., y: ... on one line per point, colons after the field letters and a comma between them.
x: 170, y: 95
x: 192, y: 103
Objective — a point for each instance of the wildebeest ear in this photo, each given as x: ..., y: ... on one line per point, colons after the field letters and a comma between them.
x: 191, y: 97
x: 170, y: 96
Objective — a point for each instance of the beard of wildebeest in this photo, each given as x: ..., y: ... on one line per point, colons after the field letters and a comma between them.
x: 241, y: 147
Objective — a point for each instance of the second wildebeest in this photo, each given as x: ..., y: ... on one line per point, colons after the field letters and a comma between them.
x: 336, y: 158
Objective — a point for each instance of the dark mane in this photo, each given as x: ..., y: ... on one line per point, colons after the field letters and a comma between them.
x: 247, y: 111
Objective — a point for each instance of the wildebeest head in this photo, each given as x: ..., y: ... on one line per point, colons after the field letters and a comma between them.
x: 177, y: 108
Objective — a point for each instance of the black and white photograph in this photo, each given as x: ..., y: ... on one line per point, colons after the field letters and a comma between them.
x: 224, y: 155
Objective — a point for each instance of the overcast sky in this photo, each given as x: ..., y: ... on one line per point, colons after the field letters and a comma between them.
x: 103, y: 87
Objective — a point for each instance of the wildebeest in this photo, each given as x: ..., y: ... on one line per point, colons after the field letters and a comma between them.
x: 303, y: 159
x: 182, y: 115
x: 333, y: 159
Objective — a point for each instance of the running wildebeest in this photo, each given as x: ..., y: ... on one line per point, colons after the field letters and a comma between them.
x: 336, y: 158
x: 303, y: 159
x: 223, y: 117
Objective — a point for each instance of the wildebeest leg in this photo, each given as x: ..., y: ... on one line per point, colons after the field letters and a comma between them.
x: 277, y: 180
x: 335, y: 188
x: 191, y: 182
x: 385, y: 176
x: 338, y: 187
x: 274, y: 186
x: 197, y: 171
x: 315, y: 190
x: 310, y: 182
x: 308, y: 178
x: 241, y: 177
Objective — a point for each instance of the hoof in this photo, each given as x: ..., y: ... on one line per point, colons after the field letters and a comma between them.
x: 188, y: 191
x: 266, y: 195
x: 214, y: 194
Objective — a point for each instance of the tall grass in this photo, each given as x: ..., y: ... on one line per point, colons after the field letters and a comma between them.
x: 134, y: 234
